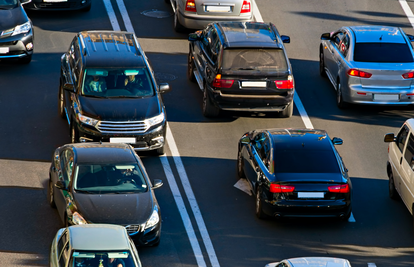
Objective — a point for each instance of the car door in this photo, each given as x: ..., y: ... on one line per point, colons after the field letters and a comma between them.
x: 71, y: 76
x: 260, y: 159
x: 407, y: 174
x: 212, y: 55
x: 331, y: 58
x: 396, y: 155
x: 199, y: 52
x: 62, y: 197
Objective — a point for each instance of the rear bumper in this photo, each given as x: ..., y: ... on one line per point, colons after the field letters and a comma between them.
x: 356, y: 94
x: 53, y: 6
x: 198, y: 22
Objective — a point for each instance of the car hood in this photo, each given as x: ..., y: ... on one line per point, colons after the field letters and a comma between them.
x: 10, y: 18
x: 115, y: 208
x: 116, y: 109
x: 310, y: 177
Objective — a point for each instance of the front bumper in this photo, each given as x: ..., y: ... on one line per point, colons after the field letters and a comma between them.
x: 356, y: 94
x: 53, y: 6
x: 153, y: 138
x: 197, y: 22
x: 147, y: 237
x: 18, y: 46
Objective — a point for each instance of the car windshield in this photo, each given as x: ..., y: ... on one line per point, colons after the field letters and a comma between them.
x: 6, y: 4
x: 269, y: 60
x: 109, y: 178
x: 382, y: 53
x: 98, y: 258
x: 121, y: 83
x: 305, y: 161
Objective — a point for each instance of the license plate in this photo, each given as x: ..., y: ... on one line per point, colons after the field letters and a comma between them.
x: 218, y: 8
x: 254, y: 84
x: 126, y: 140
x: 310, y: 194
x: 4, y: 50
x: 385, y: 97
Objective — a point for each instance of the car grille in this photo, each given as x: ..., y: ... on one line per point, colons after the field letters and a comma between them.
x: 8, y: 43
x: 132, y: 229
x: 124, y: 127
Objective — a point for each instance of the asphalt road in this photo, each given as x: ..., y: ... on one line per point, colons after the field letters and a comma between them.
x: 31, y: 129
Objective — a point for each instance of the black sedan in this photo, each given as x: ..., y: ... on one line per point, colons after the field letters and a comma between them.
x: 105, y: 183
x: 295, y: 173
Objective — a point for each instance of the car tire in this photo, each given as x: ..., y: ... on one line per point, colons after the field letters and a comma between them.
x: 321, y: 63
x: 74, y: 134
x: 287, y: 112
x: 167, y: 1
x: 86, y: 9
x: 25, y: 60
x: 160, y: 151
x: 339, y: 99
x: 240, y: 165
x: 177, y: 25
x: 209, y: 110
x: 50, y: 195
x: 61, y: 103
x: 392, y: 192
x: 259, y: 206
x: 346, y: 217
x: 190, y: 68
x: 156, y: 244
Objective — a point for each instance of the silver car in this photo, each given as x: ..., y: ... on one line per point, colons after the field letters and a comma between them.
x: 196, y: 14
x: 311, y: 262
x: 93, y: 245
x: 369, y: 65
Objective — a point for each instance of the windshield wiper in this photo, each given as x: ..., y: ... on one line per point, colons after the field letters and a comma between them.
x: 84, y: 191
x: 249, y: 68
x: 95, y: 96
x: 123, y: 96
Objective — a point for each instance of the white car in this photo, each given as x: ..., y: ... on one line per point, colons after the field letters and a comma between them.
x: 400, y: 165
x: 311, y: 262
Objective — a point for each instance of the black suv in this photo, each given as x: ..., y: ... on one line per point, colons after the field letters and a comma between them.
x: 241, y: 66
x: 108, y: 92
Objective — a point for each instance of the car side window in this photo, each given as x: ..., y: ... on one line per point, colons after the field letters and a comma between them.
x: 262, y: 145
x: 214, y: 46
x: 337, y: 38
x: 282, y: 264
x: 344, y: 45
x: 63, y: 249
x: 66, y: 164
x: 402, y: 138
x: 409, y: 152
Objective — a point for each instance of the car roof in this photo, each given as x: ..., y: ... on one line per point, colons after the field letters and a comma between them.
x: 89, y: 152
x: 410, y: 123
x: 249, y: 34
x: 300, y: 138
x: 319, y: 261
x: 372, y: 34
x: 98, y: 237
x: 111, y: 49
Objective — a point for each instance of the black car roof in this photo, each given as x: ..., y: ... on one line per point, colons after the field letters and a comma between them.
x: 103, y: 153
x: 249, y: 34
x: 110, y: 49
x: 300, y: 139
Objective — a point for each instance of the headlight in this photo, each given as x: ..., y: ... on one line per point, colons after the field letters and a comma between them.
x: 78, y: 219
x: 155, y: 120
x: 22, y: 28
x: 87, y: 120
x: 154, y: 219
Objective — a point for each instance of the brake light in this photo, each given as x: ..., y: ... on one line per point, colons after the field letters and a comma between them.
x: 359, y: 73
x: 245, y: 7
x: 222, y: 83
x: 190, y: 6
x: 408, y: 75
x: 343, y: 188
x: 285, y: 84
x: 277, y: 188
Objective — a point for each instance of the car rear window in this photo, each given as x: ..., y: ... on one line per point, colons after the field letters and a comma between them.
x: 382, y: 52
x: 254, y: 59
x: 305, y: 161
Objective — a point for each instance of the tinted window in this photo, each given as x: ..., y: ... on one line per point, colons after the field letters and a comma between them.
x: 402, y: 138
x: 305, y: 161
x: 107, y: 258
x: 382, y: 52
x: 269, y: 60
x: 110, y: 178
x: 8, y: 3
x: 409, y: 151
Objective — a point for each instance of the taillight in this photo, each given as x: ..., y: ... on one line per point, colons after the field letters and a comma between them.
x: 285, y: 84
x: 222, y: 83
x: 190, y: 6
x: 408, y: 75
x: 277, y: 188
x: 245, y: 7
x: 359, y: 73
x: 343, y: 188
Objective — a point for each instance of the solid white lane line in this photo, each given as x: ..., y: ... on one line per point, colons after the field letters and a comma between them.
x: 125, y: 17
x: 407, y: 11
x: 302, y: 111
x: 191, y: 198
x: 183, y: 212
x: 256, y: 13
x: 111, y: 14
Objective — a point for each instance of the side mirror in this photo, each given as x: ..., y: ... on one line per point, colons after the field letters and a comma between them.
x: 389, y: 137
x: 69, y: 87
x: 245, y: 140
x: 326, y: 36
x: 25, y: 1
x: 285, y: 39
x: 193, y: 37
x: 337, y: 141
x: 60, y: 185
x: 157, y: 184
x: 164, y: 87
x: 411, y: 37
